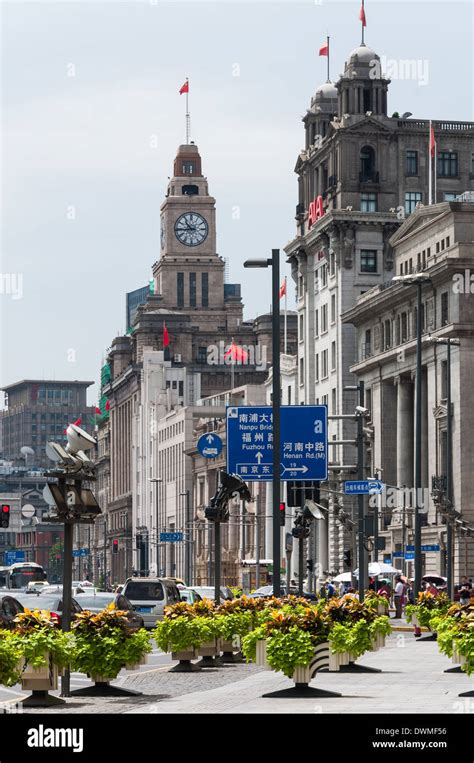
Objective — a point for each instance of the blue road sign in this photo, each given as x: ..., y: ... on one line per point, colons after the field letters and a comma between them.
x: 410, y: 555
x: 358, y: 487
x: 13, y: 557
x: 397, y: 555
x: 303, y: 442
x: 170, y: 537
x: 209, y: 445
x: 433, y: 547
x: 80, y: 552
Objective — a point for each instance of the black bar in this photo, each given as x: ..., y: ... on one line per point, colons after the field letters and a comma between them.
x: 276, y: 404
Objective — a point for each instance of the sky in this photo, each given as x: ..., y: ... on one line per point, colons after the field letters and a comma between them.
x: 91, y: 119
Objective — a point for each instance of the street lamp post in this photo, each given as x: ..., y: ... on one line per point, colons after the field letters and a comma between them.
x: 188, y: 530
x: 274, y: 263
x: 417, y: 279
x: 156, y: 480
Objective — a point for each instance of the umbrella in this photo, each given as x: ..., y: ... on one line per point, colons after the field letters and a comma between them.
x: 379, y: 568
x: 344, y: 577
x: 436, y: 579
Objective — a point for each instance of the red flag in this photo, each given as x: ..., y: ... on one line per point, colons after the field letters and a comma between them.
x: 283, y: 288
x: 432, y: 142
x: 78, y: 422
x: 98, y: 411
x: 107, y: 406
x: 236, y: 352
x: 324, y: 49
x: 184, y: 88
x: 166, y: 336
x: 362, y: 15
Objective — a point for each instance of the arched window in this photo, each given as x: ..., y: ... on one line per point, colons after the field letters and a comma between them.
x: 367, y: 163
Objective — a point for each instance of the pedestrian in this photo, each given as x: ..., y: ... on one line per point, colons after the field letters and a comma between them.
x: 398, y: 596
x: 328, y: 590
x: 384, y: 590
x: 465, y: 596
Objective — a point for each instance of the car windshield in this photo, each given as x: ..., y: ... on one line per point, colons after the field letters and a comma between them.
x: 137, y: 590
x: 51, y: 603
x: 94, y: 601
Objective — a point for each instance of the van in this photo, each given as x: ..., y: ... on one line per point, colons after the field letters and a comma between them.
x: 150, y: 596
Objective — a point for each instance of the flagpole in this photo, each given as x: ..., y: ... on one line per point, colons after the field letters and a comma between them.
x: 232, y: 370
x: 430, y: 174
x: 187, y: 114
x: 286, y: 312
x: 362, y: 20
x: 329, y: 80
x: 435, y: 172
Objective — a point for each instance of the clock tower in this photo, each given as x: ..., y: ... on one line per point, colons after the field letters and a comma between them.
x: 189, y: 274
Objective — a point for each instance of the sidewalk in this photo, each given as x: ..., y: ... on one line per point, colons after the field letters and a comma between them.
x: 412, y: 681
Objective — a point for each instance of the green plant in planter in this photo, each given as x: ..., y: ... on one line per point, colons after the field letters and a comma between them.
x: 373, y: 600
x: 426, y: 606
x: 37, y: 634
x: 234, y: 624
x: 249, y: 643
x: 182, y: 633
x: 179, y: 610
x: 10, y: 653
x: 289, y: 650
x: 380, y: 626
x: 354, y: 638
x: 104, y: 643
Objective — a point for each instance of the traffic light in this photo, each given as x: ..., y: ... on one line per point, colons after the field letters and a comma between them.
x: 115, y: 546
x: 309, y: 565
x: 5, y: 515
x: 347, y: 558
x: 297, y: 492
x: 282, y: 513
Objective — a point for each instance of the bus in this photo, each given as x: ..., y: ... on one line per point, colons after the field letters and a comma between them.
x: 20, y: 574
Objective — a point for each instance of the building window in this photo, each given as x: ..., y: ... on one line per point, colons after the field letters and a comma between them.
x: 333, y: 356
x: 316, y: 281
x: 367, y: 162
x: 316, y: 367
x: 472, y: 163
x: 180, y: 289
x: 334, y: 401
x: 316, y: 322
x: 444, y: 379
x: 404, y: 327
x: 332, y: 264
x: 412, y: 198
x: 387, y: 335
x: 301, y: 370
x: 188, y: 168
x: 324, y: 276
x: 447, y: 164
x: 448, y: 196
x: 444, y: 308
x: 447, y: 242
x: 324, y: 364
x: 202, y: 355
x: 411, y: 163
x: 367, y: 344
x: 368, y: 261
x: 301, y: 336
x: 192, y: 289
x: 205, y: 289
x: 333, y: 308
x: 368, y: 202
x: 324, y: 319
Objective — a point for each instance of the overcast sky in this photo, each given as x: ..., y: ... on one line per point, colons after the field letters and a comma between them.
x: 91, y: 119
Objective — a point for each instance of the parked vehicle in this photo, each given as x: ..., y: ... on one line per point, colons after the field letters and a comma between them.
x: 150, y: 596
x: 49, y: 601
x: 96, y: 602
x: 208, y: 592
x: 9, y: 609
x: 189, y: 595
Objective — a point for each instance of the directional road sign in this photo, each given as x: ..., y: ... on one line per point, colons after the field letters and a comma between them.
x: 303, y: 442
x: 80, y: 552
x: 209, y: 445
x: 170, y: 537
x: 358, y: 487
x: 13, y: 557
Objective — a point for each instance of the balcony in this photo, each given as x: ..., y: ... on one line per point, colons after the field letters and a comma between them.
x: 369, y: 178
x: 365, y: 351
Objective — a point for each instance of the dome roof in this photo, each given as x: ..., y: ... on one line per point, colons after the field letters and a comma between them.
x: 363, y: 54
x: 327, y: 91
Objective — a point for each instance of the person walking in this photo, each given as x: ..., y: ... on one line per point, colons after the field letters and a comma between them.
x: 398, y: 596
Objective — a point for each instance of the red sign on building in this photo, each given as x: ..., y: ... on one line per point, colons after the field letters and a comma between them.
x: 315, y: 211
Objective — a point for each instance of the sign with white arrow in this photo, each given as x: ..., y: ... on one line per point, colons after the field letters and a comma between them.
x: 303, y: 442
x: 363, y: 487
x: 209, y: 445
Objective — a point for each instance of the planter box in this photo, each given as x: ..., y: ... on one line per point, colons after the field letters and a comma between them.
x: 378, y: 642
x: 414, y: 621
x: 339, y: 659
x: 458, y: 659
x: 320, y: 661
x: 135, y: 665
x: 381, y: 610
x: 261, y: 655
x: 185, y: 654
x: 44, y: 678
x: 210, y: 648
x: 98, y: 679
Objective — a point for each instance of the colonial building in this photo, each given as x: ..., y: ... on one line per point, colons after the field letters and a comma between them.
x: 437, y: 241
x: 178, y: 349
x: 361, y: 173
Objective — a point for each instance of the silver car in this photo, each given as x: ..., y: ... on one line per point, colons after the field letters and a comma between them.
x: 150, y: 596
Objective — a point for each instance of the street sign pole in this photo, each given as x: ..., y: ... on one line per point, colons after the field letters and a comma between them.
x: 360, y: 498
x: 276, y: 406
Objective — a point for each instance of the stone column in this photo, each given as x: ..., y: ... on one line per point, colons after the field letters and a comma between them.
x: 405, y: 432
x: 424, y: 430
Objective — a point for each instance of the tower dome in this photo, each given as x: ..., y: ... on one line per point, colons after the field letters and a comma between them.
x: 325, y: 99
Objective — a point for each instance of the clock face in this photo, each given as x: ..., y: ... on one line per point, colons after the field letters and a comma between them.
x: 162, y: 233
x: 191, y: 229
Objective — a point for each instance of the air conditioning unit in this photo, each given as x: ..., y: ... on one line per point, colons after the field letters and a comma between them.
x: 177, y: 358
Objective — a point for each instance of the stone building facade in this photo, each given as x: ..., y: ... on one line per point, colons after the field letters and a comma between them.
x: 361, y: 173
x: 437, y: 241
